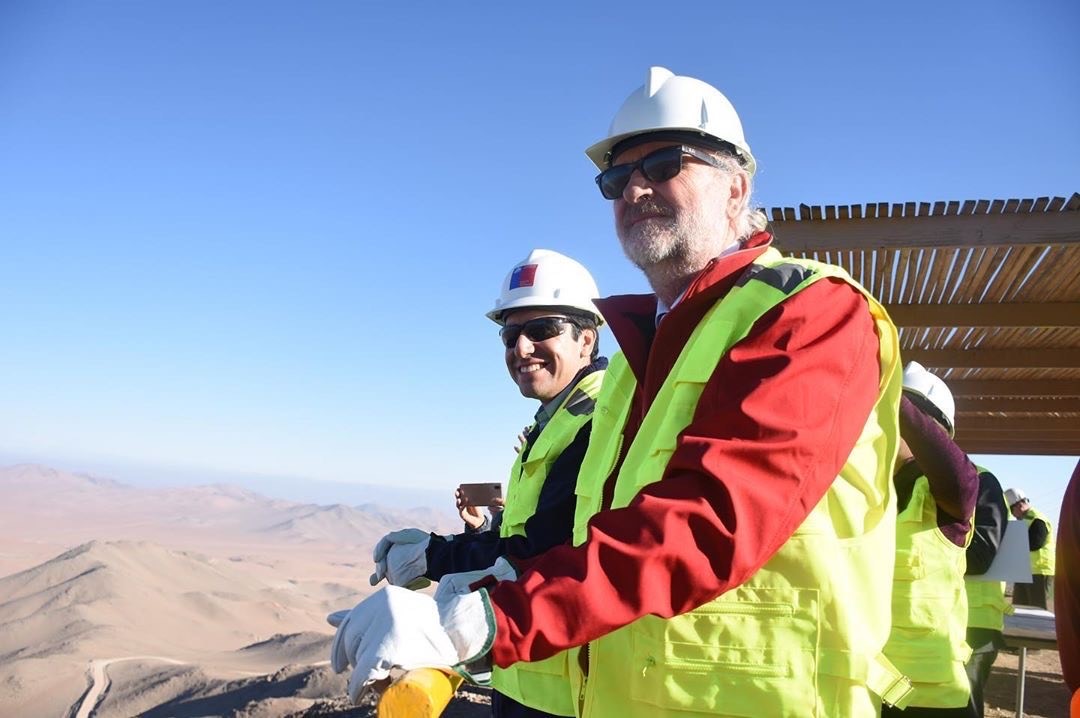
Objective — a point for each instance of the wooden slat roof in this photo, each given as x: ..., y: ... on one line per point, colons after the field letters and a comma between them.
x: 986, y: 294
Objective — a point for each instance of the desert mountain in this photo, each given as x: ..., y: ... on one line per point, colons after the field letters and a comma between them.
x: 137, y: 597
x: 122, y: 600
x: 174, y: 597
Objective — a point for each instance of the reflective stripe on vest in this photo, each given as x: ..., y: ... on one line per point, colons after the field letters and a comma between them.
x: 986, y: 599
x: 1042, y: 560
x: 929, y: 609
x: 543, y: 685
x: 803, y: 636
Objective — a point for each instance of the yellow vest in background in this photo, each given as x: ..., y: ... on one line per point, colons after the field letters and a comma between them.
x: 543, y: 685
x: 1042, y: 561
x: 803, y: 636
x: 986, y: 604
x: 986, y: 599
x: 929, y: 606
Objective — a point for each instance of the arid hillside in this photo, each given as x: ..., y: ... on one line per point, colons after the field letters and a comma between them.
x: 139, y: 600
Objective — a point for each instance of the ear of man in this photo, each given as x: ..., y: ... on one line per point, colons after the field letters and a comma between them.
x: 588, y: 342
x: 739, y: 191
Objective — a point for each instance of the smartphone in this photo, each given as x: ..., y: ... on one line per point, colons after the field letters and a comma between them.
x: 481, y: 494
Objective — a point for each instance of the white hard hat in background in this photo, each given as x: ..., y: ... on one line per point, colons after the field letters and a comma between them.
x: 674, y: 103
x: 1014, y: 495
x: 547, y: 279
x: 917, y: 380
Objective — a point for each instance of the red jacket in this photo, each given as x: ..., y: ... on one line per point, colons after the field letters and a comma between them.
x: 774, y: 425
x: 1067, y: 583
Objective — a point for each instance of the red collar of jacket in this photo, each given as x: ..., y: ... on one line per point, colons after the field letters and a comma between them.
x: 651, y: 352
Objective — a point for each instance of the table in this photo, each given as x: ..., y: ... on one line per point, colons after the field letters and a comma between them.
x: 1028, y: 628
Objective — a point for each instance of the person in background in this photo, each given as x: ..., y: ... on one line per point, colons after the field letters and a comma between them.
x: 936, y: 487
x: 737, y: 499
x: 1067, y: 584
x: 549, y: 328
x: 1040, y: 592
x: 474, y: 519
x: 986, y: 599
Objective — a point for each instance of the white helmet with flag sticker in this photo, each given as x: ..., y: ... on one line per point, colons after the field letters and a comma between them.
x: 546, y: 278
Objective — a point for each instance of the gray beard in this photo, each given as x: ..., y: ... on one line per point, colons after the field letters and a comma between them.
x: 651, y: 243
x: 672, y: 250
x: 666, y: 247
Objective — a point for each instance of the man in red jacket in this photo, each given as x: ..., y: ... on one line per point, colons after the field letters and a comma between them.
x: 736, y: 499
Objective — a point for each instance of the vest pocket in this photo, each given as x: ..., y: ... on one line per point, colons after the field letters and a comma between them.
x: 749, y: 654
x: 651, y: 459
x: 523, y: 492
x: 544, y: 685
x: 921, y: 599
x: 554, y: 666
x: 932, y: 663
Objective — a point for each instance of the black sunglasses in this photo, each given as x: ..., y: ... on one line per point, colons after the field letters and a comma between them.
x: 535, y: 330
x: 659, y: 166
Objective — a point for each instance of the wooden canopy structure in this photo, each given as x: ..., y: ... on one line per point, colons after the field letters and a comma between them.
x: 986, y: 294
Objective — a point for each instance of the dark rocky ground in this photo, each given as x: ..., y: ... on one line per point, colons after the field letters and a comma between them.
x: 1046, y: 695
x: 307, y: 692
x: 469, y: 702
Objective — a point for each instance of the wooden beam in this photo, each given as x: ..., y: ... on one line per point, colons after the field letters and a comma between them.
x: 1021, y: 447
x: 951, y: 230
x: 1019, y: 430
x: 1027, y: 358
x: 1027, y: 438
x: 1051, y: 426
x: 1050, y: 314
x: 1015, y: 387
x: 993, y: 436
x: 982, y: 404
x: 990, y: 437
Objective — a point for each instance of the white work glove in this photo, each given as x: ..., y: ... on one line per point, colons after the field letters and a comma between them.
x: 401, y: 558
x: 398, y: 628
x: 457, y: 583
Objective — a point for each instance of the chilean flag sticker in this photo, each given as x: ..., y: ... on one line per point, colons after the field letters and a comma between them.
x: 523, y: 276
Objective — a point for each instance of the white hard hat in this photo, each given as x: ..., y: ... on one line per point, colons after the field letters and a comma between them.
x: 917, y: 380
x: 547, y: 279
x: 674, y: 103
x: 1012, y: 496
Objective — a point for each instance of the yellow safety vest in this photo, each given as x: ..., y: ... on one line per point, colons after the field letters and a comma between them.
x: 1042, y: 560
x: 986, y: 604
x: 986, y: 599
x: 543, y: 685
x: 929, y: 606
x: 803, y: 636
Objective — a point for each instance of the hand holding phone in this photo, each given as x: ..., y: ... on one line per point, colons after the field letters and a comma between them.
x: 480, y: 494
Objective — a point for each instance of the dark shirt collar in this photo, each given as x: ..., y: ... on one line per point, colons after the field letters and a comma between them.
x: 632, y: 317
x: 548, y: 408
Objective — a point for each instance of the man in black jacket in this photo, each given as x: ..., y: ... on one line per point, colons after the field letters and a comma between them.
x: 986, y: 599
x: 1040, y: 592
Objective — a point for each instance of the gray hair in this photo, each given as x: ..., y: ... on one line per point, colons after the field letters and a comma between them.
x: 751, y: 219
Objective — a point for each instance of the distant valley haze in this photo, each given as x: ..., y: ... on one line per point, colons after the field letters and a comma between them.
x: 390, y: 493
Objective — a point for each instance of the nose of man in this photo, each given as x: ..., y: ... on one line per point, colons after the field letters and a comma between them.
x: 522, y: 347
x: 637, y: 188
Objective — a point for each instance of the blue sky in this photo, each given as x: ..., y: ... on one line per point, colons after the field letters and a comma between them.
x: 260, y: 237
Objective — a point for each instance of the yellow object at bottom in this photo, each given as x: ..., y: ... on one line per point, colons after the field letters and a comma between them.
x: 420, y: 693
